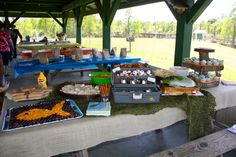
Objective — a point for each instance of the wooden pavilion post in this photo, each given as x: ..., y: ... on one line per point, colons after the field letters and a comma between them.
x: 6, y: 21
x: 79, y: 15
x: 185, y: 22
x: 107, y: 12
x: 183, y: 40
x: 64, y: 21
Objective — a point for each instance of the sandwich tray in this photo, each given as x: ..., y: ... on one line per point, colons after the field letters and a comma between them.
x: 7, y: 116
x: 28, y: 94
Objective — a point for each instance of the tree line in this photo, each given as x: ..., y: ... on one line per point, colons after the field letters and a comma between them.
x: 217, y: 28
x: 91, y: 27
x: 221, y: 29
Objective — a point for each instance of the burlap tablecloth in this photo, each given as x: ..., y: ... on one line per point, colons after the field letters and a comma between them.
x: 78, y: 134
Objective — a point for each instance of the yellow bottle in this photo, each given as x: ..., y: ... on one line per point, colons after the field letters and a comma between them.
x: 42, y: 80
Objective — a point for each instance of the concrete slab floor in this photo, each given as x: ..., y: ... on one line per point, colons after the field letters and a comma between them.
x: 144, y: 144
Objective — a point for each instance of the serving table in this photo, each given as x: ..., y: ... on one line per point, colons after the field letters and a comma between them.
x: 79, y: 134
x: 30, y: 50
x: 28, y: 66
x: 47, y: 46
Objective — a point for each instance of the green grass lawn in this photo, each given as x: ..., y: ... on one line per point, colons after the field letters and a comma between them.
x: 160, y: 52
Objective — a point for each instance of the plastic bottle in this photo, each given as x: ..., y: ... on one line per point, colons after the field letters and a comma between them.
x: 42, y: 80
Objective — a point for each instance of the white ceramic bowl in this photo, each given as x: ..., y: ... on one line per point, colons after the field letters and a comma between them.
x: 180, y: 70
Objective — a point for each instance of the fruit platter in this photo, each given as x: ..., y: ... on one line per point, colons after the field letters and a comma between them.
x: 40, y: 113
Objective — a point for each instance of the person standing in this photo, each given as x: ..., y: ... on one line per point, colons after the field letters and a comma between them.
x: 3, y: 84
x: 14, y: 36
x: 6, y: 46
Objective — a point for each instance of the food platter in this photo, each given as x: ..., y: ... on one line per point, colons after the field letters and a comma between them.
x: 28, y: 93
x: 13, y: 121
x: 73, y: 91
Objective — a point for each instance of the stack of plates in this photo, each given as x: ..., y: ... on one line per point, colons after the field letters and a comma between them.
x: 232, y: 129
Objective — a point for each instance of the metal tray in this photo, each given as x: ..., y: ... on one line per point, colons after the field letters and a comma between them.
x: 6, y: 118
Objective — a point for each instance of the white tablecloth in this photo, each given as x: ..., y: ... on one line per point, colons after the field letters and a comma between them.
x: 72, y: 135
x: 225, y: 96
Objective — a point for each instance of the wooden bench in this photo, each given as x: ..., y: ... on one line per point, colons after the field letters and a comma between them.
x: 212, y: 145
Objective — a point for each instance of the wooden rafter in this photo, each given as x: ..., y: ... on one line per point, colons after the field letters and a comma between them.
x: 75, y: 4
x: 113, y: 10
x: 33, y: 8
x: 175, y: 14
x: 32, y: 2
x: 197, y: 9
x: 14, y: 21
x: 33, y: 15
x: 54, y: 18
x: 99, y: 8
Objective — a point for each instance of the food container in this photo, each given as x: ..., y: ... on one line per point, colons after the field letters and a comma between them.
x: 87, y: 96
x: 98, y: 78
x: 136, y: 95
x: 87, y: 56
x: 133, y: 77
x: 180, y: 70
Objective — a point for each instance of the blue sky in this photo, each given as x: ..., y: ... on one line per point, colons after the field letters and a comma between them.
x: 160, y: 12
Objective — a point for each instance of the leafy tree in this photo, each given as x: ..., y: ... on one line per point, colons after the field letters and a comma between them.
x: 233, y: 20
x: 227, y: 29
x: 137, y: 25
x: 70, y: 29
x: 89, y: 26
x: 128, y: 19
x: 118, y: 26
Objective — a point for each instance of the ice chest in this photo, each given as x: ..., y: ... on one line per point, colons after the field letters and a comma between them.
x: 136, y: 95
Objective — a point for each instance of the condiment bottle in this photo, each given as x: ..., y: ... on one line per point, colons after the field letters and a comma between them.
x: 42, y: 80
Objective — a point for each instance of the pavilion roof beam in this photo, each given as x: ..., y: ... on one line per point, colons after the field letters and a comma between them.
x: 124, y: 5
x: 80, y: 13
x: 137, y: 3
x: 30, y: 14
x: 52, y: 16
x: 197, y: 9
x: 89, y: 7
x: 32, y: 2
x: 99, y: 8
x: 17, y: 17
x: 175, y: 14
x: 75, y: 4
x: 33, y: 8
x: 113, y: 10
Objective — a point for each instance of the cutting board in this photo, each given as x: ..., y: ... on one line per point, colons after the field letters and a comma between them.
x: 178, y: 90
